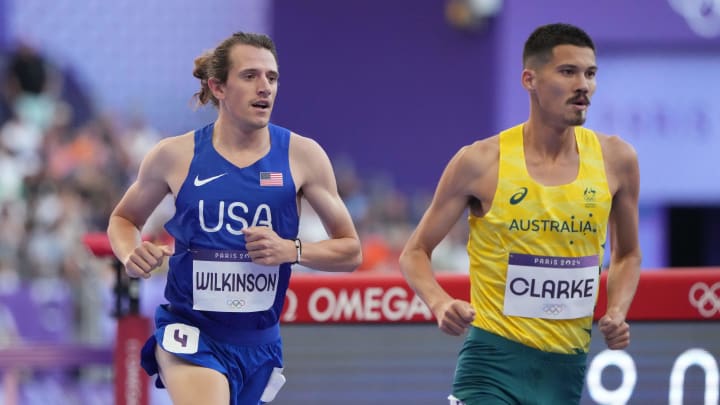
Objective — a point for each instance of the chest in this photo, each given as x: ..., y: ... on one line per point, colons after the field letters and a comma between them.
x: 553, y: 173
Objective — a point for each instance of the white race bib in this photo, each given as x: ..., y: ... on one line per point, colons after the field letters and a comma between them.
x: 228, y: 281
x: 181, y: 338
x: 551, y: 287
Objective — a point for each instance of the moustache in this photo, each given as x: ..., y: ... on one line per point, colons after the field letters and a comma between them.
x: 579, y: 100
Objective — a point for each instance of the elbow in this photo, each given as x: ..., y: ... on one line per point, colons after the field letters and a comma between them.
x: 109, y: 227
x: 356, y: 262
x: 405, y: 261
x: 634, y: 258
x: 355, y: 258
x: 630, y: 260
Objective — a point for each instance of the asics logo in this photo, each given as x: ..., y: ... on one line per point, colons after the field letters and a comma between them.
x: 201, y: 182
x: 705, y: 298
x: 518, y: 196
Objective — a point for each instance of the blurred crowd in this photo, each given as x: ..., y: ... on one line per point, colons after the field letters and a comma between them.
x: 64, y: 164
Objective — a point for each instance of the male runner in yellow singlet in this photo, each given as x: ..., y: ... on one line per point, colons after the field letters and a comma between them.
x: 541, y: 196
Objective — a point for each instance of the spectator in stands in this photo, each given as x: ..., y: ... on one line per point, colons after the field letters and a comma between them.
x: 29, y: 78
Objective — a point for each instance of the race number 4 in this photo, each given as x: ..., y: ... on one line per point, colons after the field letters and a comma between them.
x: 181, y: 338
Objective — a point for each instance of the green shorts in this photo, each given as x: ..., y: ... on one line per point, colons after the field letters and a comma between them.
x: 494, y: 370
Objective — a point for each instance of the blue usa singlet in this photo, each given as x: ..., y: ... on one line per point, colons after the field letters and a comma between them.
x: 212, y: 282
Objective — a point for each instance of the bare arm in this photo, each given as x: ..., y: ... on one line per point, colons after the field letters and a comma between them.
x: 624, y: 272
x: 312, y: 167
x: 129, y: 216
x: 449, y: 202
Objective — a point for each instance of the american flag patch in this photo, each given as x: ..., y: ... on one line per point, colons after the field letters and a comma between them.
x: 272, y: 179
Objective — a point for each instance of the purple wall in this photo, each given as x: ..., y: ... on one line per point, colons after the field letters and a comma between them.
x: 623, y: 31
x: 392, y: 86
x: 387, y: 83
x: 134, y: 60
x: 615, y: 25
x: 3, y: 26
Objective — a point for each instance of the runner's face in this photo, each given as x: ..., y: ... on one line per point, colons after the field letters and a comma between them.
x: 249, y: 92
x: 566, y: 84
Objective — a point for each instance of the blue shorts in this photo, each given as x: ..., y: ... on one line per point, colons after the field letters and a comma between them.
x: 247, y: 367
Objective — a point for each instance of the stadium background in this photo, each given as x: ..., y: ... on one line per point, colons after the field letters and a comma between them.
x: 391, y: 89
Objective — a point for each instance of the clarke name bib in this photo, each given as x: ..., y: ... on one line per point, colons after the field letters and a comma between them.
x: 551, y: 287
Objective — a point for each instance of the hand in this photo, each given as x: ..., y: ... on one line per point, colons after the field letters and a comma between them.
x: 454, y: 316
x: 267, y: 248
x: 615, y: 330
x: 146, y: 258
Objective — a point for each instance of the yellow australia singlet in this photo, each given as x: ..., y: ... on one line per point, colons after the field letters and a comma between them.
x: 535, y: 255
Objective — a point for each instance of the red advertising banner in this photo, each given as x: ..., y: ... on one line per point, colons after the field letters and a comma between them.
x: 677, y: 294
x: 131, y: 381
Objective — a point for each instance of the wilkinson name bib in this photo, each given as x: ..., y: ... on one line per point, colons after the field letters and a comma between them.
x: 228, y: 281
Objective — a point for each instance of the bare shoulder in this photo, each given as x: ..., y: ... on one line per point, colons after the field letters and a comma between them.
x: 309, y: 163
x: 621, y: 164
x: 486, y: 149
x: 472, y: 171
x: 479, y: 156
x: 171, y: 150
x: 304, y: 146
x: 177, y: 145
x: 168, y: 160
x: 307, y: 152
x: 618, y: 153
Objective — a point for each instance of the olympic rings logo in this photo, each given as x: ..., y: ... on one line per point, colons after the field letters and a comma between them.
x: 553, y: 309
x: 703, y: 16
x: 235, y: 303
x: 705, y: 299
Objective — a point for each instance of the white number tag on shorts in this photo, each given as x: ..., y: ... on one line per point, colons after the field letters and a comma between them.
x: 551, y: 287
x: 227, y: 281
x: 276, y: 381
x: 455, y: 401
x: 181, y: 338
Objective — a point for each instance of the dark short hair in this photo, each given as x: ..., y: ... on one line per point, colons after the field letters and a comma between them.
x: 544, y: 39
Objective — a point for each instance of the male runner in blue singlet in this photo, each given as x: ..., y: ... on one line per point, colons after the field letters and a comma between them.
x: 237, y: 183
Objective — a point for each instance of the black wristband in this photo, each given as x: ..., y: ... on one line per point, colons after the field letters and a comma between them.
x: 298, y: 248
